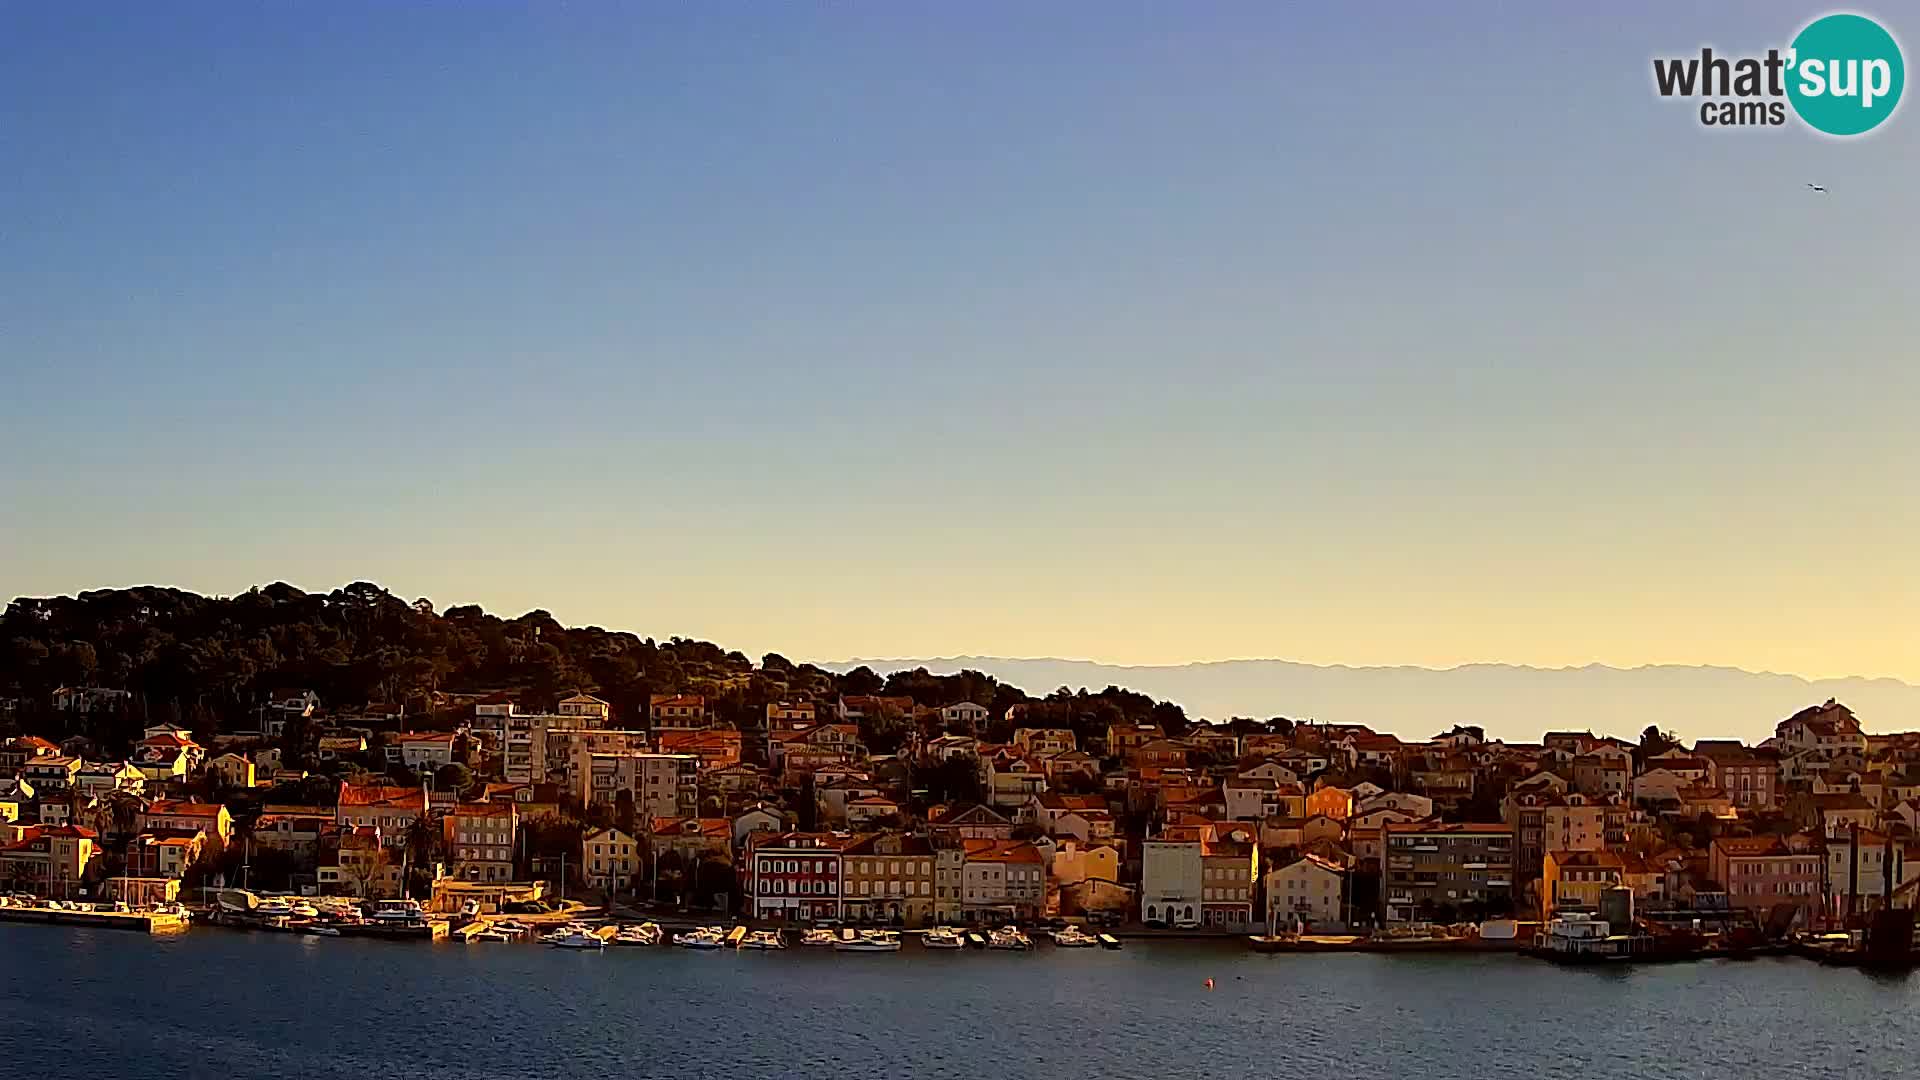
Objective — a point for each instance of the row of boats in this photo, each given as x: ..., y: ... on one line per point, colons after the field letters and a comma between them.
x: 709, y: 938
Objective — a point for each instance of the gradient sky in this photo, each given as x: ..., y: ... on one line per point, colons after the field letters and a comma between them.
x: 1140, y: 332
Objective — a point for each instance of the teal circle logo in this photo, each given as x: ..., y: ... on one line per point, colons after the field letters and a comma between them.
x: 1845, y: 74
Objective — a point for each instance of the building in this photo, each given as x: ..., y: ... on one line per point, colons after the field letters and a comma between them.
x: 1606, y: 769
x: 717, y: 748
x: 51, y: 774
x: 105, y: 778
x: 795, y: 876
x: 871, y: 811
x: 389, y: 810
x: 973, y: 822
x: 427, y: 751
x: 1334, y: 802
x: 1229, y: 869
x: 1257, y: 798
x: 187, y: 816
x: 660, y: 785
x: 15, y: 753
x: 1761, y: 873
x: 584, y: 710
x: 889, y: 879
x: 683, y: 712
x: 691, y: 840
x: 50, y: 860
x: 164, y: 855
x: 1576, y: 880
x: 1862, y: 888
x: 1002, y: 880
x: 1826, y: 729
x: 757, y: 819
x: 1043, y: 742
x: 1170, y: 877
x: 1434, y: 870
x: 90, y: 699
x: 480, y: 839
x: 609, y: 860
x: 512, y: 736
x: 1308, y: 893
x: 966, y: 716
x: 232, y: 771
x: 357, y: 861
x: 1750, y: 780
x: 283, y: 706
x: 561, y: 753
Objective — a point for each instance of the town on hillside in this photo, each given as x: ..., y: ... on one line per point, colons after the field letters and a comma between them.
x: 888, y: 809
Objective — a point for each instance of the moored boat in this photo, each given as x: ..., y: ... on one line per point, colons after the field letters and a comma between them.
x: 577, y: 939
x: 763, y: 940
x: 1009, y: 938
x: 705, y: 938
x: 869, y: 941
x: 1108, y: 941
x: 941, y: 937
x: 1072, y: 937
x: 817, y: 937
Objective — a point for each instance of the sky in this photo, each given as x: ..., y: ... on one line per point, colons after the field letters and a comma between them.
x: 1146, y: 333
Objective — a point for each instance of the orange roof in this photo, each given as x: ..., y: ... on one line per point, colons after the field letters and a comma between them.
x: 710, y: 828
x: 483, y: 809
x: 675, y: 700
x: 380, y: 795
x: 1002, y: 851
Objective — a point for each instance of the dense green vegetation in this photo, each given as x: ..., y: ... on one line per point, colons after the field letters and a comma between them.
x: 209, y: 661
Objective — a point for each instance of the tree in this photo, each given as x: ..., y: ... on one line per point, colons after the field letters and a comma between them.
x: 1653, y: 743
x: 454, y: 777
x: 714, y: 882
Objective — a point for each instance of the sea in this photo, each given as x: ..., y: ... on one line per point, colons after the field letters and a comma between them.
x: 225, y: 1005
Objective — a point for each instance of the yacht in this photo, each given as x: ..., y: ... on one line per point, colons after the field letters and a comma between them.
x: 708, y: 937
x: 819, y: 937
x: 395, y: 913
x: 869, y: 941
x: 941, y: 937
x: 1072, y: 937
x: 578, y: 939
x: 1009, y: 938
x: 763, y: 940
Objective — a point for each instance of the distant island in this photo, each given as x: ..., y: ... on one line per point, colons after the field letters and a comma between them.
x: 1511, y: 702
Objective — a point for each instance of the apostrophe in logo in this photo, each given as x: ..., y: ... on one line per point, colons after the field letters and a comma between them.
x: 1846, y: 74
x: 1842, y: 76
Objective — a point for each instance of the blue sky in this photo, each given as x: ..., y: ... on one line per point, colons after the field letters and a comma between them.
x: 1146, y: 333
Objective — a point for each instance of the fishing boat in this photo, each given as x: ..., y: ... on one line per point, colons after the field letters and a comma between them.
x: 576, y: 939
x: 705, y: 938
x: 1072, y: 937
x: 1009, y: 938
x: 762, y: 940
x: 941, y: 937
x: 818, y: 938
x: 869, y: 941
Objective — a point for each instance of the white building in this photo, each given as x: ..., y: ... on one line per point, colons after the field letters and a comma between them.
x: 1171, y: 877
x: 1307, y: 890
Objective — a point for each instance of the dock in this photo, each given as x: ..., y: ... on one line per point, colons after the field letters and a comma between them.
x: 147, y: 922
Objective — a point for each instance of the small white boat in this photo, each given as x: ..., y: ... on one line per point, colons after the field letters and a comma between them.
x: 704, y: 938
x: 643, y: 934
x: 763, y: 940
x: 1073, y: 937
x: 818, y: 938
x: 578, y: 940
x: 869, y: 941
x: 274, y: 908
x: 489, y: 934
x: 942, y: 937
x: 321, y: 931
x: 1009, y: 938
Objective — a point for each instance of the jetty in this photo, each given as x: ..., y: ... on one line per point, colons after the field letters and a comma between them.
x: 148, y: 922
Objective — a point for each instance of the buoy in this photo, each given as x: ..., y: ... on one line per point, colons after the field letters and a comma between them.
x: 1209, y: 984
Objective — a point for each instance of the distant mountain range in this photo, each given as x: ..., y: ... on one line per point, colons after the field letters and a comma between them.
x: 1511, y: 702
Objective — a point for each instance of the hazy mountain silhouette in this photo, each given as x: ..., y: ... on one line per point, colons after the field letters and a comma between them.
x: 1511, y: 702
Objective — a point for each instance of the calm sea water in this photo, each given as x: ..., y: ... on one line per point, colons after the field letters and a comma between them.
x: 225, y: 1005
